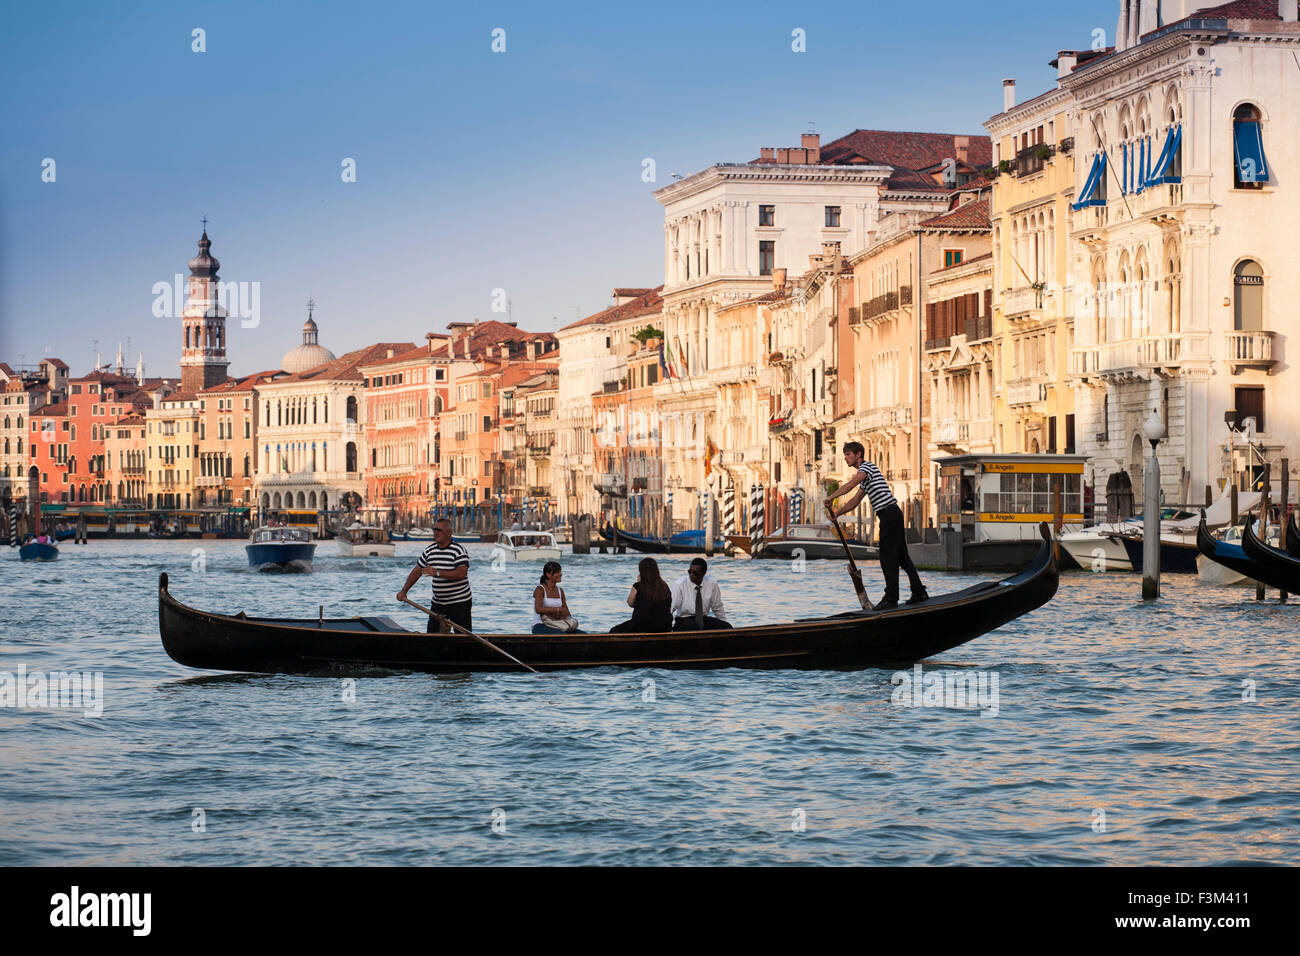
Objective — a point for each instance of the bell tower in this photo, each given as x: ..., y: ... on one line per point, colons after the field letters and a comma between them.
x: 203, y: 352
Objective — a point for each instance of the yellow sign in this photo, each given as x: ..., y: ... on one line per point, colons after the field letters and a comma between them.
x: 1032, y: 468
x: 1027, y: 519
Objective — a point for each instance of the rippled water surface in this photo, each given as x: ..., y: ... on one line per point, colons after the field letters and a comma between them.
x: 1106, y: 706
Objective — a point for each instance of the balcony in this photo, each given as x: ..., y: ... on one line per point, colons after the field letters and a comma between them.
x: 883, y: 304
x: 962, y: 434
x: 611, y: 484
x: 1027, y: 391
x: 890, y: 416
x: 539, y: 451
x: 1250, y: 350
x: 733, y: 374
x: 208, y: 481
x: 1025, y: 302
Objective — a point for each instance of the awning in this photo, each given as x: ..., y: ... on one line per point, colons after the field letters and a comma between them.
x: 1248, y: 150
x: 1088, y: 196
x: 1163, y: 172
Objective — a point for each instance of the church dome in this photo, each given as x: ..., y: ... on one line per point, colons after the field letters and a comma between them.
x: 308, y: 355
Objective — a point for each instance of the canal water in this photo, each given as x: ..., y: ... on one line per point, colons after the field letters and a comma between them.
x: 1105, y: 730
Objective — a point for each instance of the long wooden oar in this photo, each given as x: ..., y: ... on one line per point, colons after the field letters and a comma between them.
x: 854, y: 573
x: 466, y: 631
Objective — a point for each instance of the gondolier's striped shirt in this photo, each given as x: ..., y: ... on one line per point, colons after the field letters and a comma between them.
x: 444, y: 559
x: 877, y: 488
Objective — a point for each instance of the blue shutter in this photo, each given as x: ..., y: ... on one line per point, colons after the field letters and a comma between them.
x: 1162, y: 171
x: 1248, y: 150
x: 1087, y: 197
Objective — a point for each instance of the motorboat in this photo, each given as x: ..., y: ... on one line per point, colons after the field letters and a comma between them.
x: 362, y: 541
x: 527, y: 546
x: 811, y: 541
x: 280, y: 547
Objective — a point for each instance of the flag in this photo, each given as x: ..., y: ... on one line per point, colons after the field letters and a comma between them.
x: 663, y: 363
x: 710, y: 450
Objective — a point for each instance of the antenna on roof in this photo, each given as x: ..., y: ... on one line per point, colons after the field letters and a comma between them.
x: 812, y: 127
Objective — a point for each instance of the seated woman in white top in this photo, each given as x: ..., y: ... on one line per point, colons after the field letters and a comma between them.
x: 549, y: 601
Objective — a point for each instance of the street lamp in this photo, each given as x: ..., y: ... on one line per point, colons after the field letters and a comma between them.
x: 1154, y: 430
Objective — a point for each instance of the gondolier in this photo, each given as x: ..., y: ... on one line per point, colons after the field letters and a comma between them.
x: 447, y: 562
x: 893, y: 544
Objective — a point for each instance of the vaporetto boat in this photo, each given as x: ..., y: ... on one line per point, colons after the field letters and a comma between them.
x: 527, y: 546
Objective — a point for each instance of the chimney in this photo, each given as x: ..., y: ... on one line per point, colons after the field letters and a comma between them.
x: 765, y: 153
x: 1288, y: 10
x: 1008, y: 94
x: 428, y: 337
x: 812, y: 142
x: 391, y: 352
x: 532, y: 350
x: 961, y: 146
x: 782, y: 154
x: 778, y: 279
x: 1065, y: 62
x: 465, y: 339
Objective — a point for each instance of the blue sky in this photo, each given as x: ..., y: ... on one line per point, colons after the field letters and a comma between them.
x: 475, y: 170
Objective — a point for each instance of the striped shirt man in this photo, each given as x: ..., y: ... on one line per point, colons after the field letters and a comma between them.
x: 878, y: 492
x: 444, y: 559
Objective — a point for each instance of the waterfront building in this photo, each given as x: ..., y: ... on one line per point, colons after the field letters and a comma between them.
x: 126, y: 450
x: 890, y: 326
x: 486, y: 357
x: 171, y: 451
x: 1179, y: 227
x: 1034, y: 285
x: 228, y: 442
x: 729, y: 228
x: 534, y: 406
x: 594, y: 354
x: 958, y: 363
x: 311, y: 431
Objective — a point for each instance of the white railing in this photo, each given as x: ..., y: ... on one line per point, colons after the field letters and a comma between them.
x: 1026, y: 390
x: 1022, y: 301
x: 1250, y: 348
x: 889, y: 416
x: 733, y: 374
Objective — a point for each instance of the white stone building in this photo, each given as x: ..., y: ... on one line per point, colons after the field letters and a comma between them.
x: 1186, y: 192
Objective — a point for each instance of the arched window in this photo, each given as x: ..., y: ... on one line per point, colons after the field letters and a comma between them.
x: 302, y: 500
x: 313, y: 411
x: 351, y: 457
x: 1250, y: 168
x: 325, y: 408
x: 352, y: 412
x: 247, y: 465
x: 277, y: 501
x: 1248, y: 297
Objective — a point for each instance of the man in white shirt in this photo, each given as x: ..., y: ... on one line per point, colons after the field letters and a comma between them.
x: 697, y: 601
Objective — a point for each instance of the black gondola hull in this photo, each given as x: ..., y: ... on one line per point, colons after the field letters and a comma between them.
x: 1207, y: 545
x: 853, y: 640
x: 1273, y: 567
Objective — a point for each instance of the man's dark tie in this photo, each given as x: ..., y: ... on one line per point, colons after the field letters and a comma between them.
x: 699, y: 609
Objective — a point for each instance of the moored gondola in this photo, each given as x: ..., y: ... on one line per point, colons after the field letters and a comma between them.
x: 683, y: 542
x: 1224, y: 553
x: 901, y: 635
x: 1292, y: 536
x: 1274, y: 567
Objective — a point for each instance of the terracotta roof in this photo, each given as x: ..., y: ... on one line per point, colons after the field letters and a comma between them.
x: 649, y: 303
x: 407, y: 355
x: 241, y: 384
x: 4, y: 367
x: 181, y: 397
x: 622, y: 293
x: 901, y: 149
x: 53, y: 411
x: 130, y: 420
x: 1238, y: 10
x: 971, y: 215
x: 57, y: 363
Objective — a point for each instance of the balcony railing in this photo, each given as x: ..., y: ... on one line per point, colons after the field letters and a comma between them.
x: 951, y: 432
x: 888, y: 302
x: 1026, y: 391
x: 890, y: 416
x: 1250, y: 350
x: 1022, y: 302
x: 733, y: 374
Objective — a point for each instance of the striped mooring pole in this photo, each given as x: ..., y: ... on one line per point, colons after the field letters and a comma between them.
x: 796, y: 506
x: 756, y: 512
x: 729, y: 511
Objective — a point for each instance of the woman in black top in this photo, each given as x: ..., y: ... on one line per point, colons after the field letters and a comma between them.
x: 651, y: 602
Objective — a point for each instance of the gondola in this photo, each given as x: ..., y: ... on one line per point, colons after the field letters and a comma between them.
x: 1222, y: 552
x: 1292, y: 536
x: 897, y: 636
x: 1273, y: 566
x: 683, y: 542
